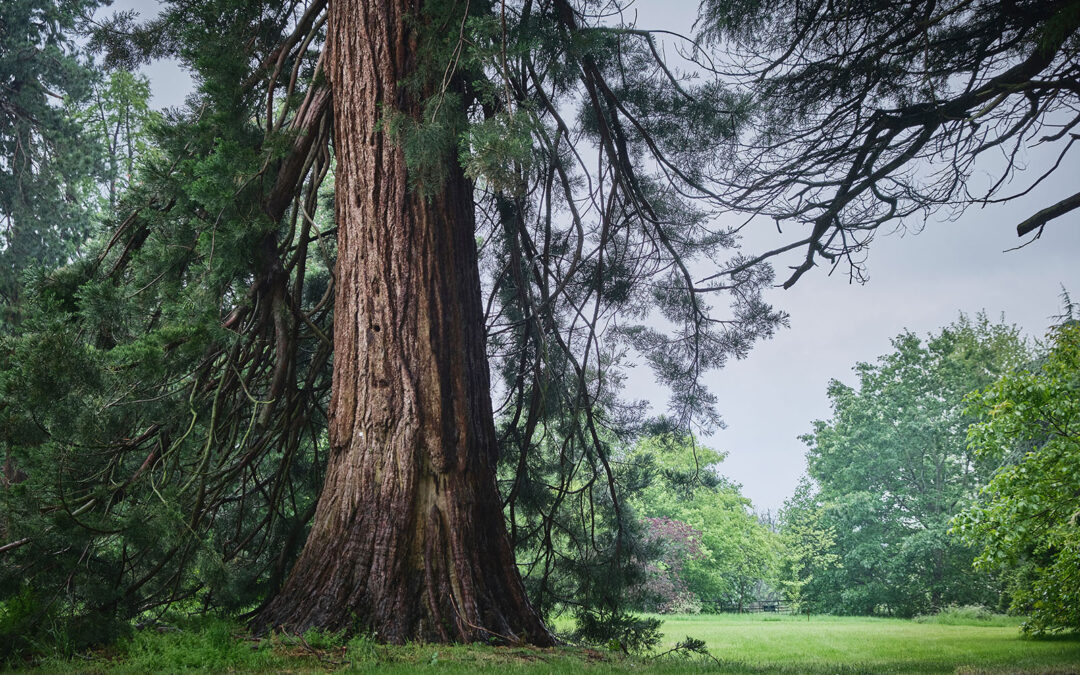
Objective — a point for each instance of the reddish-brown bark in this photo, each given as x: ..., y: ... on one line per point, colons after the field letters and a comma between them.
x: 408, y: 538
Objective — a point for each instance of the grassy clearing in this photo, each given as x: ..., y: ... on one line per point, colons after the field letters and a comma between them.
x: 742, y: 644
x: 850, y: 644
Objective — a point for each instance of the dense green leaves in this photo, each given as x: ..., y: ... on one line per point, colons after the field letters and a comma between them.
x: 164, y: 395
x: 892, y: 467
x: 807, y: 544
x: 714, y: 552
x: 1027, y: 519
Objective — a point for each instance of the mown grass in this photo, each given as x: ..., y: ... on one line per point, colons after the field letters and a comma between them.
x: 739, y: 644
x: 850, y: 644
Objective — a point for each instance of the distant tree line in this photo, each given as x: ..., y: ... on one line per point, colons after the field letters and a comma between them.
x: 940, y: 480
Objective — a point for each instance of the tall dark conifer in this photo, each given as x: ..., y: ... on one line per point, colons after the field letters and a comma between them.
x: 193, y: 349
x: 46, y: 165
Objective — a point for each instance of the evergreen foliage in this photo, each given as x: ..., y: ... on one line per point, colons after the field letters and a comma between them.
x: 712, y: 552
x: 166, y: 397
x: 117, y: 117
x: 47, y: 163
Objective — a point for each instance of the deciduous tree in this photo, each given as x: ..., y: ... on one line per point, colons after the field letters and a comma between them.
x: 807, y: 548
x: 893, y: 466
x: 1026, y: 519
x: 679, y: 483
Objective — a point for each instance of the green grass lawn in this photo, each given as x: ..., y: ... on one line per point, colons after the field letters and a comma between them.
x: 741, y: 644
x: 843, y: 644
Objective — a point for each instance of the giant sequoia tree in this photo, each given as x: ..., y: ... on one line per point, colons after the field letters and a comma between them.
x: 408, y: 537
x: 171, y: 393
x: 192, y: 346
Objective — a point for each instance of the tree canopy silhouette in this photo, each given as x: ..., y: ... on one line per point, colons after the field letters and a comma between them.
x: 876, y: 112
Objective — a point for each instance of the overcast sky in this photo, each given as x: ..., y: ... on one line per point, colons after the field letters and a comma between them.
x: 918, y: 282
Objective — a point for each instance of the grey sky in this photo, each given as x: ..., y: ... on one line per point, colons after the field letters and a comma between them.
x: 919, y: 282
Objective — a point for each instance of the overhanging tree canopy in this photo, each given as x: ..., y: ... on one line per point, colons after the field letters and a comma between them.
x: 874, y: 112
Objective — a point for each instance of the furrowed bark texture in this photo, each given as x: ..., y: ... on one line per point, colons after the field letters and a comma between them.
x: 408, y: 538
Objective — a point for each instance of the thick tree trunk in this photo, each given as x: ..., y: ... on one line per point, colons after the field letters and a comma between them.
x: 408, y: 539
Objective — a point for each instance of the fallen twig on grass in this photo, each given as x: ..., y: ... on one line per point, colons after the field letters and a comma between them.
x: 690, y: 645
